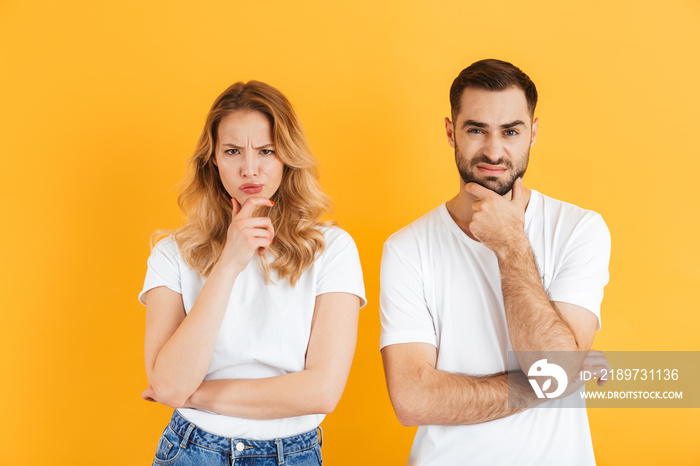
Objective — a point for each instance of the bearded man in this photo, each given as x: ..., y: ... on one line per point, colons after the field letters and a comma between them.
x: 497, y: 268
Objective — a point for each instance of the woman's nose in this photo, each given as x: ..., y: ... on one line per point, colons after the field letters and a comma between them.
x: 250, y: 166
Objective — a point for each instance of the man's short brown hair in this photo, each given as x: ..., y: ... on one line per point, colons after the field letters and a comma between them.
x: 492, y: 75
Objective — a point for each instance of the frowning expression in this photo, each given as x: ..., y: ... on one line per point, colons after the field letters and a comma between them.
x: 245, y: 155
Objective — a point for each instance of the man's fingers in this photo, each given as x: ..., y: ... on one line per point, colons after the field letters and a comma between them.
x: 251, y: 203
x: 518, y: 192
x: 479, y: 191
x: 598, y: 365
x: 597, y: 358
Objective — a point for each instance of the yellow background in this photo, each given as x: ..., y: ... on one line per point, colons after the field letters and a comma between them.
x: 102, y: 102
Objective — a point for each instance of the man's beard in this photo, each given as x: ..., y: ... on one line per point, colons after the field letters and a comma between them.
x: 501, y: 186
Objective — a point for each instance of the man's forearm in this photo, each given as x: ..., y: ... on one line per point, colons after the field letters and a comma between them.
x: 444, y: 398
x: 534, y: 324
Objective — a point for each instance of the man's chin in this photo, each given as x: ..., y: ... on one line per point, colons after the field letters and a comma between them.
x: 500, y: 187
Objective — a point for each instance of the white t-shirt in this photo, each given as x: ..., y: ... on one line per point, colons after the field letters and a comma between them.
x: 439, y: 286
x: 266, y: 329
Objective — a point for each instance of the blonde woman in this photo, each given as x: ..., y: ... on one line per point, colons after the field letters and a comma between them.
x: 252, y: 306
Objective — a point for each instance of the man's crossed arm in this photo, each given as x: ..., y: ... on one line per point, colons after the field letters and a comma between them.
x: 424, y: 395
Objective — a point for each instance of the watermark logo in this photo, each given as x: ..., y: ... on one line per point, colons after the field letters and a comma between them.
x: 610, y: 379
x: 542, y: 368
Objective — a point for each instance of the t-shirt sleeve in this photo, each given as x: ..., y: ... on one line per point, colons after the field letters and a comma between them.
x: 583, y: 271
x: 163, y: 268
x: 340, y: 270
x: 403, y: 309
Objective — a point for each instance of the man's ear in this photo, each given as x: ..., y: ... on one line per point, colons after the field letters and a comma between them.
x: 450, y: 130
x: 535, y: 125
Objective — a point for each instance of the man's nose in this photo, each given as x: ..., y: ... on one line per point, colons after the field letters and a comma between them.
x: 493, y: 148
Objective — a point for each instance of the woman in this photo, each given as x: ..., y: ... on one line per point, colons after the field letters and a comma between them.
x: 252, y: 305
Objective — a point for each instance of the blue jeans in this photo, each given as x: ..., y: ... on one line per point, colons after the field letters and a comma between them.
x: 184, y: 444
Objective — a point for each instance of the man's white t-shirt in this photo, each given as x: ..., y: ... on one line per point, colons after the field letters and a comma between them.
x: 439, y: 286
x: 266, y: 329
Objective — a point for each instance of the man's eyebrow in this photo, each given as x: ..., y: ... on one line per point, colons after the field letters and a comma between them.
x: 478, y: 124
x: 513, y: 124
x: 228, y: 144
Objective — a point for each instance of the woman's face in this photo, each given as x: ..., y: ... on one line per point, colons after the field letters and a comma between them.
x: 246, y: 157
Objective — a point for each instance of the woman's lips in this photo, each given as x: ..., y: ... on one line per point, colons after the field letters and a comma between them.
x: 251, y: 188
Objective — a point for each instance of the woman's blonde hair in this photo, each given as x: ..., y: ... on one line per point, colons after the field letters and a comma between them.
x: 299, y: 201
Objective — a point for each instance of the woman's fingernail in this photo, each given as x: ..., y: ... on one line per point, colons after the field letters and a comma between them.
x: 273, y: 202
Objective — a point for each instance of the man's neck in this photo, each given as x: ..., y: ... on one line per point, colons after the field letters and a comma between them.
x: 460, y: 209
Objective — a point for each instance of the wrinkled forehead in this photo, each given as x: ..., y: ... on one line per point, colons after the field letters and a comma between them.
x: 245, y: 126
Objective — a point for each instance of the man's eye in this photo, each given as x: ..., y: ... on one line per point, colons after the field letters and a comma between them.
x: 267, y: 151
x: 474, y: 131
x: 511, y: 132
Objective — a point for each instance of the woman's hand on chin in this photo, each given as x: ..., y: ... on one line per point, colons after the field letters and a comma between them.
x: 247, y: 234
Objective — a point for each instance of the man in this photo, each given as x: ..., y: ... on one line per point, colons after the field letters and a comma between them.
x: 497, y: 268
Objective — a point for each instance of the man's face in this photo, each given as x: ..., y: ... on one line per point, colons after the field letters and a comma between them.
x: 492, y: 137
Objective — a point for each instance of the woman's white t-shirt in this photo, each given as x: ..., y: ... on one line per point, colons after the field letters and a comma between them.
x: 266, y: 329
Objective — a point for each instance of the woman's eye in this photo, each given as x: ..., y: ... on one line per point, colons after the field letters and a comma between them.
x: 267, y: 152
x: 232, y: 151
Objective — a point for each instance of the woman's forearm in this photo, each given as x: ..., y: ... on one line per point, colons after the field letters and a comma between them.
x: 314, y: 390
x: 182, y: 363
x: 176, y: 367
x: 296, y: 394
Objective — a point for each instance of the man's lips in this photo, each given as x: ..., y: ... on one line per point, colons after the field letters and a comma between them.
x: 251, y: 188
x: 491, y: 169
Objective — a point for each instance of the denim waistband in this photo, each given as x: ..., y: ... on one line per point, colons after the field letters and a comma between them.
x: 238, y: 447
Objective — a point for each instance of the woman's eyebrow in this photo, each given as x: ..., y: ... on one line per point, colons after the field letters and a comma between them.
x: 235, y: 146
